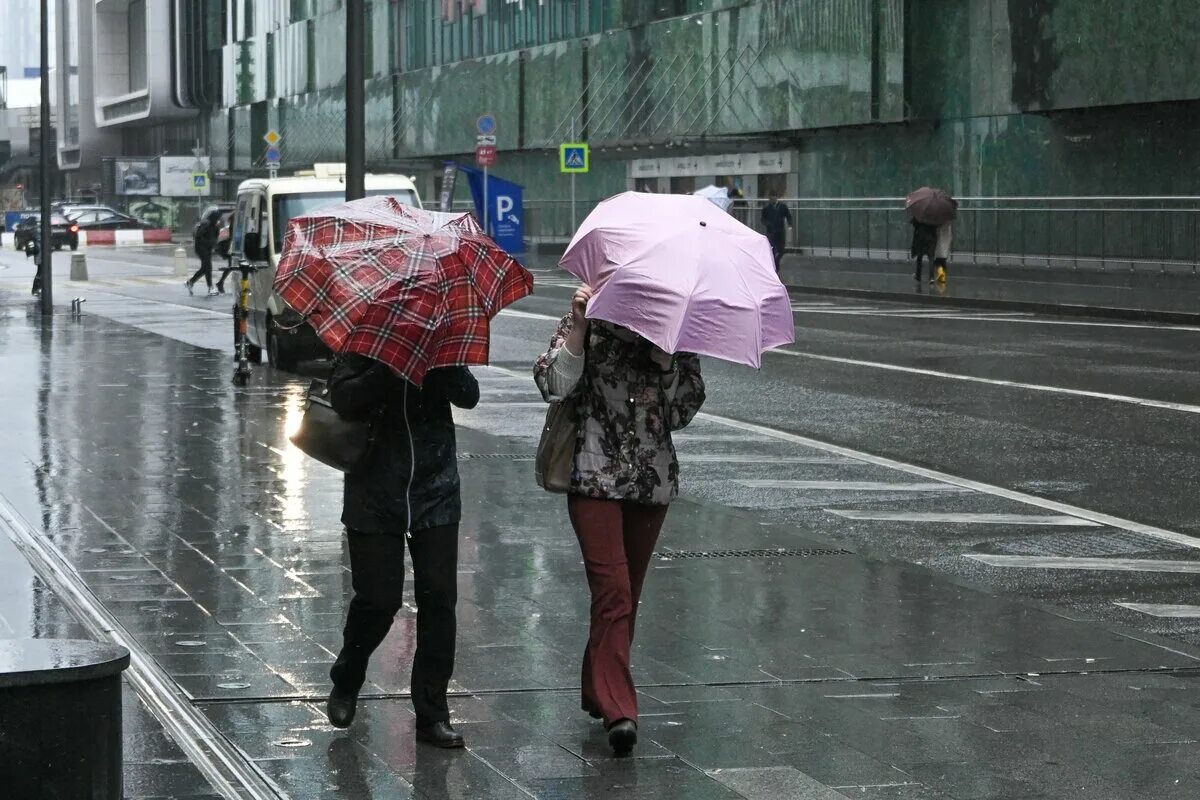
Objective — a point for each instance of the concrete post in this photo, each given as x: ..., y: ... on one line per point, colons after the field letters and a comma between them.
x: 181, y: 265
x: 79, y: 267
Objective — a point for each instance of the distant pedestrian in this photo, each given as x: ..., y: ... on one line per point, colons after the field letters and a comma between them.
x: 205, y: 237
x: 924, y: 244
x: 225, y: 248
x: 776, y: 219
x: 628, y: 396
x: 32, y: 248
x: 406, y: 491
x: 941, y: 251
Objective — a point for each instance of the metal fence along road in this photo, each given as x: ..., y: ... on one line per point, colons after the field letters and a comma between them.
x: 1106, y: 234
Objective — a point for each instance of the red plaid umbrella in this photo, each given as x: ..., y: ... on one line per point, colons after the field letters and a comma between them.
x: 411, y: 288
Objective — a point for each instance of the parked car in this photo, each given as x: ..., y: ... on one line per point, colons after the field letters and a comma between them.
x: 106, y: 220
x: 63, y: 232
x: 71, y: 210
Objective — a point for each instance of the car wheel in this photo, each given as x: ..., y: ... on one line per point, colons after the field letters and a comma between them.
x: 280, y: 352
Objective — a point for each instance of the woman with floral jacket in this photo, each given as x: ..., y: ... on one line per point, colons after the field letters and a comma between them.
x: 629, y: 396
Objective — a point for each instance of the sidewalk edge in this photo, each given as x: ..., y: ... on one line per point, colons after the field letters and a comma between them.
x: 229, y: 770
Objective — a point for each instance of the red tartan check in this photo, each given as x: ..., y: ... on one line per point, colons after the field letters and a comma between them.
x: 414, y: 289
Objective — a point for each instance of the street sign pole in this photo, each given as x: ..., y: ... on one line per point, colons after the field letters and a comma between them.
x: 198, y: 166
x: 574, y: 218
x: 356, y: 134
x: 47, y: 250
x: 485, y: 157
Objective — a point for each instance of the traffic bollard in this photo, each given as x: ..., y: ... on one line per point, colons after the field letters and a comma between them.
x: 181, y: 265
x: 79, y: 267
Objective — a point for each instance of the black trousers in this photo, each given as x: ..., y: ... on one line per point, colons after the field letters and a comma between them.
x: 225, y: 270
x: 205, y: 270
x: 377, y: 573
x: 778, y: 245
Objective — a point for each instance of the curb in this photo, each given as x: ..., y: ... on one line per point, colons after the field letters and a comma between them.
x: 134, y: 238
x: 1064, y: 309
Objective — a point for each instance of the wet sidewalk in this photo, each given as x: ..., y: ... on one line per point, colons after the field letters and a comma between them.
x: 773, y: 661
x: 1122, y: 290
x: 155, y: 766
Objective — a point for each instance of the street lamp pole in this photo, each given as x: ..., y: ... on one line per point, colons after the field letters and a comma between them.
x: 46, y: 245
x: 356, y: 134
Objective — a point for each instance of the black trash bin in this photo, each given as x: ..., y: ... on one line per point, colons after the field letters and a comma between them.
x: 60, y: 719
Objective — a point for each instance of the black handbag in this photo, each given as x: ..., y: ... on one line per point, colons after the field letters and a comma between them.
x: 330, y: 438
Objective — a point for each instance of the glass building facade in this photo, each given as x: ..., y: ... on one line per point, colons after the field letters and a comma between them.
x: 827, y: 98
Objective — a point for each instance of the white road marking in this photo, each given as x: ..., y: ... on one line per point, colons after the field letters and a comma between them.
x: 983, y: 519
x: 853, y: 486
x: 716, y: 437
x: 1163, y: 610
x: 1098, y: 564
x: 1036, y: 387
x: 1099, y: 518
x: 1144, y: 402
x: 730, y: 458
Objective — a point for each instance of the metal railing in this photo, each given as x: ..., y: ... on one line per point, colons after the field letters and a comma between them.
x: 1106, y: 234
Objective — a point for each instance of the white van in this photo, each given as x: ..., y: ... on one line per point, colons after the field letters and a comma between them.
x: 264, y: 207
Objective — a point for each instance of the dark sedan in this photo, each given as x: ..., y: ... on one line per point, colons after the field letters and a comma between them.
x: 106, y: 220
x: 63, y: 233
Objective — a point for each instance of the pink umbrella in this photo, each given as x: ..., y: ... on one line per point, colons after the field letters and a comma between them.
x: 681, y: 273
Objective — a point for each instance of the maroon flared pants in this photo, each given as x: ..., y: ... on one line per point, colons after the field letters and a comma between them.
x: 617, y: 539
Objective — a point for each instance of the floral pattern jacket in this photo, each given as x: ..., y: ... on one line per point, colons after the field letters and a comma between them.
x: 628, y: 405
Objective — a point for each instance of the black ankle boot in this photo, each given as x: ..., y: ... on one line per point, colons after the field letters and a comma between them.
x: 341, y: 707
x: 622, y: 736
x: 440, y: 734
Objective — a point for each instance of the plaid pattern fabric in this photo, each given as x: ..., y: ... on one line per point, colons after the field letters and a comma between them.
x: 414, y: 289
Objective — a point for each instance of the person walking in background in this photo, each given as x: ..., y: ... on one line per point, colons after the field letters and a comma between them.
x: 205, y: 242
x: 932, y: 211
x: 629, y: 396
x: 406, y: 491
x: 941, y: 252
x: 776, y: 219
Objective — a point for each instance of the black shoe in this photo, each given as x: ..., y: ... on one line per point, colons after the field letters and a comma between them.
x: 622, y: 736
x: 341, y: 707
x: 440, y: 734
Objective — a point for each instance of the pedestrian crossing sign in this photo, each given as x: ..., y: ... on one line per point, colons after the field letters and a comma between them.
x: 574, y: 158
x: 200, y: 181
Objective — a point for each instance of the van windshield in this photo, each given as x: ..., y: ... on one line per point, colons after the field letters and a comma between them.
x: 287, y: 206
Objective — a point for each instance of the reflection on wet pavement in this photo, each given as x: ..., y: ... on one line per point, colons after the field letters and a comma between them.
x: 818, y: 673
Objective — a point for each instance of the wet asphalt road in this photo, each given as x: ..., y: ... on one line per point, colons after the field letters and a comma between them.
x: 893, y: 432
x: 1102, y: 415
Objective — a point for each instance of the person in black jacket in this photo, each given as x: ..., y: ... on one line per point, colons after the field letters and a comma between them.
x: 206, y: 242
x: 776, y: 219
x: 406, y: 490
